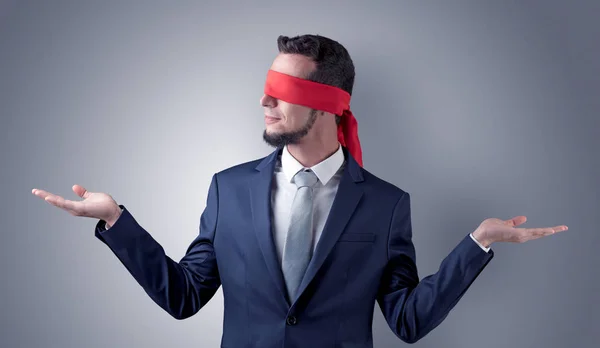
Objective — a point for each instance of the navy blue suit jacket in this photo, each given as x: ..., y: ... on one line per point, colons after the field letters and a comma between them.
x: 364, y: 255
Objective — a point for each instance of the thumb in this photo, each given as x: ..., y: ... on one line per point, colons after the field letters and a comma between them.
x: 81, y: 191
x: 516, y: 221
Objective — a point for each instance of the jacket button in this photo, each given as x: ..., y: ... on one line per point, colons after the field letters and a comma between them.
x: 291, y: 320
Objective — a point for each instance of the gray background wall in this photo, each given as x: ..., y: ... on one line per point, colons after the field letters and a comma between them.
x: 478, y: 109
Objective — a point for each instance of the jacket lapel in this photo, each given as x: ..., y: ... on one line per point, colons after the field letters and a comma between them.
x: 345, y: 202
x: 260, y: 198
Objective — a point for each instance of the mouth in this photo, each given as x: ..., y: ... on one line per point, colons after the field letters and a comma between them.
x: 271, y: 119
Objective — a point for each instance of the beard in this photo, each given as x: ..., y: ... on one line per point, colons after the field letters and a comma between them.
x: 291, y: 137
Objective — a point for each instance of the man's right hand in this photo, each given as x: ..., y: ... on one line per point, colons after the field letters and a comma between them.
x: 94, y: 204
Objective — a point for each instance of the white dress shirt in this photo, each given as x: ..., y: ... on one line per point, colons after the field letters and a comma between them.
x: 329, y: 172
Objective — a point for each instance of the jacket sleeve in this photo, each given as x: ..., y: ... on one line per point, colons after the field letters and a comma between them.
x: 413, y: 308
x: 180, y: 288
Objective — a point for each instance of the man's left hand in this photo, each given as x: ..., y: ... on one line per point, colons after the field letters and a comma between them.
x: 496, y: 230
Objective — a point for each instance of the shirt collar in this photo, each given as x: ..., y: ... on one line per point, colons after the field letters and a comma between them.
x: 324, y: 170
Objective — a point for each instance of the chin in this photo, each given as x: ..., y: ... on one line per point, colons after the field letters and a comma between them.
x: 274, y: 128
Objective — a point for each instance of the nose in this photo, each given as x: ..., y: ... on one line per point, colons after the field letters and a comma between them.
x: 267, y: 100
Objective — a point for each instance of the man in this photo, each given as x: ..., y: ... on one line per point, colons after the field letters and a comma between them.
x: 305, y: 240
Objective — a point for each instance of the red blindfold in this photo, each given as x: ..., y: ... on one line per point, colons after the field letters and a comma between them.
x: 320, y: 97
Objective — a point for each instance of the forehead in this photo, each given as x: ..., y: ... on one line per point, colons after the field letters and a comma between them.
x: 293, y: 64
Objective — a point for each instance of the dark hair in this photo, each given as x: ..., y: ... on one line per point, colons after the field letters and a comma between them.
x: 334, y: 65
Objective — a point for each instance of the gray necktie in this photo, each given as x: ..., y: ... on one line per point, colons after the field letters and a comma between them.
x: 297, y: 251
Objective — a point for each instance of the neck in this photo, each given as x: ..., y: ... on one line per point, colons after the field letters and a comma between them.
x: 311, y: 153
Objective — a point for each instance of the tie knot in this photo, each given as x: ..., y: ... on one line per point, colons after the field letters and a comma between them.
x: 305, y: 178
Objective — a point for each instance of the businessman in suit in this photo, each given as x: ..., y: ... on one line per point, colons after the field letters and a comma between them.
x: 303, y: 241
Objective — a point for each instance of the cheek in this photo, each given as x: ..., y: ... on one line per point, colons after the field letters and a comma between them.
x: 296, y: 114
x: 288, y: 112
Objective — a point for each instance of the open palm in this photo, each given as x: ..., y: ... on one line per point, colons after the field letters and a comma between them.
x: 497, y: 230
x: 94, y: 204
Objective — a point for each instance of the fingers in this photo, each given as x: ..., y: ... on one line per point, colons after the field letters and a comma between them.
x: 61, y: 202
x: 526, y: 234
x: 40, y: 193
x: 560, y: 228
x: 71, y: 206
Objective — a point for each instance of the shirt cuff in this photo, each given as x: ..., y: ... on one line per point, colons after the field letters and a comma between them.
x: 106, y: 223
x: 481, y: 246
